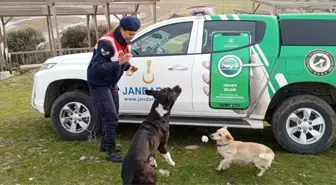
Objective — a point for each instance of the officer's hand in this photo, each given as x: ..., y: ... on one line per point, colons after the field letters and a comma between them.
x: 133, y: 69
x: 127, y: 57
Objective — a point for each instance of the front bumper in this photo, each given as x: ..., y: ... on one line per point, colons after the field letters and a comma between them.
x: 37, y: 102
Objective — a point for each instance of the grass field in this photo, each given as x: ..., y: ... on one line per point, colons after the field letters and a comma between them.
x: 32, y: 153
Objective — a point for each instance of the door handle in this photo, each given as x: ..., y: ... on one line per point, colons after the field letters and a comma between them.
x: 178, y: 68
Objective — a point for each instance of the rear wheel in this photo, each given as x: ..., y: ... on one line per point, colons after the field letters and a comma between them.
x: 304, y: 124
x: 73, y: 116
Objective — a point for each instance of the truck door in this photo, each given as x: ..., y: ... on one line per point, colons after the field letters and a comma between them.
x: 254, y: 82
x: 162, y: 55
x: 229, y: 70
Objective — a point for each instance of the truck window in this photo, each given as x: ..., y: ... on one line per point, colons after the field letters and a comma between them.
x: 171, y: 39
x: 308, y: 32
x: 256, y: 29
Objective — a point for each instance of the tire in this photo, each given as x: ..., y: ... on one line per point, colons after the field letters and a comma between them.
x: 71, y: 98
x: 306, y: 103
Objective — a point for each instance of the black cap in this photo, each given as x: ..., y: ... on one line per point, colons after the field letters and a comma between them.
x: 130, y: 23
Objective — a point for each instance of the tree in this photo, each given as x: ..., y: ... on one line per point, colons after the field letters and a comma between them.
x: 76, y: 37
x: 24, y: 39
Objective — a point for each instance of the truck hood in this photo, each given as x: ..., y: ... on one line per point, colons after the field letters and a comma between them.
x: 83, y: 58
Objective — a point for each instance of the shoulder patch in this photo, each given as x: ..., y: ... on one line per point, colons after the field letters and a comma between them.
x: 103, y: 52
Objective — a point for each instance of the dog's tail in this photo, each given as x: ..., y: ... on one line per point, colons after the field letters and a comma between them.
x: 268, y: 156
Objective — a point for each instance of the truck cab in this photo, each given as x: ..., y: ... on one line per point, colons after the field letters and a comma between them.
x: 290, y: 75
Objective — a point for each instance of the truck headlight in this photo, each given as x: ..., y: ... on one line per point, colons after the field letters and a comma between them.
x: 47, y: 66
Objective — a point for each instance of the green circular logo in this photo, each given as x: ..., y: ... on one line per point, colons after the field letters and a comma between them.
x: 320, y: 62
x: 230, y: 66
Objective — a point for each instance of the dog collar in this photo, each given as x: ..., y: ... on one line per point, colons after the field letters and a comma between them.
x: 218, y: 145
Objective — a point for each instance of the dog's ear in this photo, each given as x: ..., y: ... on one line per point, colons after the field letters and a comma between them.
x: 171, y: 99
x: 151, y: 93
x: 229, y: 137
x: 225, y: 127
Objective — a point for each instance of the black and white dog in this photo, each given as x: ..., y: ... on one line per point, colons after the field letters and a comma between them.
x: 139, y: 163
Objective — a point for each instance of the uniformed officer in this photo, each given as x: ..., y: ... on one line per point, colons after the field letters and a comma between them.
x: 109, y: 61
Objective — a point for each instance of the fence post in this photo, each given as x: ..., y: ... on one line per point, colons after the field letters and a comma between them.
x: 10, y: 63
x: 2, y: 48
x: 94, y: 16
x: 88, y: 29
x: 54, y: 14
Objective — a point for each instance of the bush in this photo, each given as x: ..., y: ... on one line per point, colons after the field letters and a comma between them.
x: 175, y: 15
x: 76, y: 37
x: 25, y: 39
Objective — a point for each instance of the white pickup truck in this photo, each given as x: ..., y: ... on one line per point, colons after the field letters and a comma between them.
x: 177, y: 52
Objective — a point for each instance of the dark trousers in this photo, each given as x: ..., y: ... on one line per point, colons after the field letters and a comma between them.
x: 106, y: 102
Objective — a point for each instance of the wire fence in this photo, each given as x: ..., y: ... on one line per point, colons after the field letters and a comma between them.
x: 37, y: 57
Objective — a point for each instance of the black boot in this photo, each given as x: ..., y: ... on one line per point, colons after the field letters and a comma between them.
x: 111, y: 154
x: 102, y: 147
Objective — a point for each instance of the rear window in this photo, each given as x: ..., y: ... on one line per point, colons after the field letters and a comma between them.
x: 308, y: 32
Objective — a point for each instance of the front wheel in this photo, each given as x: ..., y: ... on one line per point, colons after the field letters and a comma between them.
x: 304, y: 124
x: 73, y: 116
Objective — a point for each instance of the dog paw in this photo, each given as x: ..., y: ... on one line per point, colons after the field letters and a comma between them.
x: 153, y: 163
x: 219, y: 168
x: 259, y: 174
x: 171, y: 163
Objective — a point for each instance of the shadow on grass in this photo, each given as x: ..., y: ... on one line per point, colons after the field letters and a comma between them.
x: 191, y: 135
